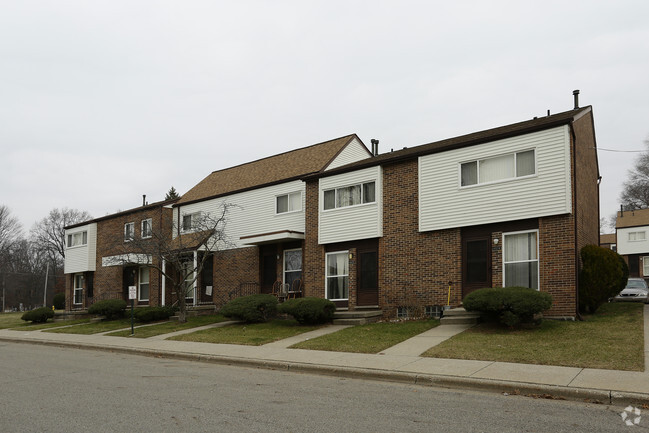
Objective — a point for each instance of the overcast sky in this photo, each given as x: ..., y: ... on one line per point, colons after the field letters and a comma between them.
x: 103, y: 101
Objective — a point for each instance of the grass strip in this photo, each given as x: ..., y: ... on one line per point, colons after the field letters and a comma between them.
x: 94, y: 327
x: 168, y: 327
x: 370, y: 338
x: 251, y: 334
x: 10, y: 320
x: 29, y: 326
x: 612, y: 338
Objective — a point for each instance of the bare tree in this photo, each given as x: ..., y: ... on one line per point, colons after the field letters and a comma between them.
x: 10, y: 233
x: 635, y: 194
x: 48, y: 235
x: 179, y: 259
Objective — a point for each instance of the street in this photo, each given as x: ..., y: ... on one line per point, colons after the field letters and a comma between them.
x: 50, y: 389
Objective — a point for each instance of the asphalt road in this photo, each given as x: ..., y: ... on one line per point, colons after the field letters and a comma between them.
x: 49, y: 389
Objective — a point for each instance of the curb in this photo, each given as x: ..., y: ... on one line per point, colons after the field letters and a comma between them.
x: 540, y: 391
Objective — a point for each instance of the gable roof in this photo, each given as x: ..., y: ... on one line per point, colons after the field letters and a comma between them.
x: 608, y: 238
x: 267, y: 171
x: 632, y: 218
x: 125, y: 212
x: 507, y: 131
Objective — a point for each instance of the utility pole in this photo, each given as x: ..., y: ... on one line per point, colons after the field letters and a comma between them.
x: 47, y: 271
x: 3, y: 293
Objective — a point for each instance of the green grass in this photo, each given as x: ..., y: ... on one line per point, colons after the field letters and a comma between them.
x: 168, y: 327
x: 28, y: 326
x: 371, y: 338
x: 254, y: 334
x: 94, y: 328
x: 612, y: 338
x: 10, y: 320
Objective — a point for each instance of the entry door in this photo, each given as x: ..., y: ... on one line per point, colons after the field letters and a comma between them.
x: 268, y: 269
x: 367, y: 292
x: 476, y: 264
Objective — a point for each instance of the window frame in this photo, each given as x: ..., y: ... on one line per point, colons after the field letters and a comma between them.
x: 635, y: 235
x: 192, y: 216
x: 80, y: 234
x: 505, y: 179
x: 288, y: 202
x: 77, y: 291
x: 327, y: 276
x: 140, y: 284
x: 285, y: 271
x: 128, y: 238
x: 645, y: 266
x: 537, y: 260
x: 336, y: 190
x: 143, y: 223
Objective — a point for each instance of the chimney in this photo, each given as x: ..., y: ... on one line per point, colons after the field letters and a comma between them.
x: 143, y: 199
x: 375, y: 146
x: 575, y: 94
x: 621, y: 210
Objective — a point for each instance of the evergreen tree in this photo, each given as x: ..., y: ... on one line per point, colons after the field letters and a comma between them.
x: 172, y: 194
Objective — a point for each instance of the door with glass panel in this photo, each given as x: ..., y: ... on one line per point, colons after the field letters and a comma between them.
x: 337, y: 278
x: 476, y: 264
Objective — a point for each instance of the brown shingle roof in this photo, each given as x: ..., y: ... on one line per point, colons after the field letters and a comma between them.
x: 125, y: 212
x: 607, y: 239
x: 632, y: 218
x: 278, y: 168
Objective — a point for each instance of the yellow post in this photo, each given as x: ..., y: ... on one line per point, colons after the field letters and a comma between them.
x: 448, y: 301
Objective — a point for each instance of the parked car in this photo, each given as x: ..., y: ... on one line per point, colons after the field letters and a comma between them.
x: 636, y: 290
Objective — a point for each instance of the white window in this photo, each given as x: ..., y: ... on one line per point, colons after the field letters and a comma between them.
x: 337, y: 275
x: 129, y: 231
x: 77, y: 239
x: 350, y: 195
x: 191, y: 221
x: 289, y: 202
x: 144, y: 284
x: 292, y: 266
x: 146, y: 229
x: 645, y: 266
x: 637, y: 236
x: 521, y: 259
x: 498, y: 168
x: 78, y: 289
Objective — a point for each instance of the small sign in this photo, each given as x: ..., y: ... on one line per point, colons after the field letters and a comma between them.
x: 208, y: 290
x: 132, y: 292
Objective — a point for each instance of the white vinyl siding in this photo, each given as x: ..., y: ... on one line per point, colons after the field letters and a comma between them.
x: 353, y: 152
x: 443, y: 203
x: 253, y: 212
x: 82, y: 258
x: 363, y: 221
x: 629, y: 241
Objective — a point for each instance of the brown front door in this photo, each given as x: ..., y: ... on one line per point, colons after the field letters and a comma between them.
x: 367, y: 292
x: 476, y: 264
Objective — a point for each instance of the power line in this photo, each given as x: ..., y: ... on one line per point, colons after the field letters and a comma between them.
x: 622, y: 151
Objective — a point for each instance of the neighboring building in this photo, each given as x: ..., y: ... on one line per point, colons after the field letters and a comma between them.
x: 632, y: 230
x: 608, y: 241
x: 397, y: 231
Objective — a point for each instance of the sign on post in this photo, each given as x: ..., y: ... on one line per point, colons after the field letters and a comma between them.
x: 132, y: 292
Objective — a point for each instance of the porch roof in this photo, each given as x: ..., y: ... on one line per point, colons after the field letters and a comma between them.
x: 272, y: 237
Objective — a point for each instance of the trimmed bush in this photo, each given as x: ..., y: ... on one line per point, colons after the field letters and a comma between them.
x: 509, y: 305
x: 602, y: 276
x: 111, y: 308
x: 59, y: 301
x: 151, y: 314
x: 251, y: 309
x: 39, y: 315
x: 309, y: 311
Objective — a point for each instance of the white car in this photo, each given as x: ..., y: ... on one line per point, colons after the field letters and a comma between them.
x: 636, y: 290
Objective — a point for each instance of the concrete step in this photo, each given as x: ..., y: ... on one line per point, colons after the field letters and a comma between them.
x: 459, y: 320
x: 357, y: 317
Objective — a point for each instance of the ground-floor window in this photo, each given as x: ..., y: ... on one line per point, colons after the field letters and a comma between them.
x: 78, y: 289
x: 144, y: 284
x: 292, y: 266
x: 521, y: 259
x: 645, y: 266
x: 337, y: 275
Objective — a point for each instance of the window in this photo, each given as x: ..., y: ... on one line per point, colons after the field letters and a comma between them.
x: 520, y: 261
x: 77, y: 239
x: 146, y: 228
x: 289, y: 202
x: 637, y: 236
x: 190, y: 221
x: 78, y: 289
x: 129, y: 231
x: 645, y: 266
x: 350, y: 195
x: 144, y: 284
x: 292, y: 266
x: 498, y: 168
x: 337, y: 275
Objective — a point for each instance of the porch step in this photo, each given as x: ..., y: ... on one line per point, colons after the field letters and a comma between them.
x: 459, y: 316
x: 357, y: 317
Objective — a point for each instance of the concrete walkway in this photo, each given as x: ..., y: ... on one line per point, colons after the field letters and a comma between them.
x: 399, y: 363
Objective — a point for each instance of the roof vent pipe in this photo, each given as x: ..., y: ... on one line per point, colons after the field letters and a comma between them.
x: 575, y: 94
x: 375, y: 146
x: 143, y: 199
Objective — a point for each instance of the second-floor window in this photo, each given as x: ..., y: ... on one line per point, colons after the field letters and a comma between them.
x: 498, y: 168
x: 637, y: 236
x: 190, y: 221
x: 350, y: 195
x: 129, y: 231
x: 146, y: 228
x: 77, y: 239
x: 289, y: 202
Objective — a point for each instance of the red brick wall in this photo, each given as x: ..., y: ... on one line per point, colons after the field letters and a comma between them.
x: 314, y: 254
x: 231, y: 269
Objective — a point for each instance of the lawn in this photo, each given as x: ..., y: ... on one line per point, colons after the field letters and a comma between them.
x: 10, y: 320
x: 612, y: 338
x: 254, y: 334
x: 94, y: 328
x: 29, y: 326
x: 371, y: 338
x: 168, y: 327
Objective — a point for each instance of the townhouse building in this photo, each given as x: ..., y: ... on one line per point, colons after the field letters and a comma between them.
x: 632, y: 239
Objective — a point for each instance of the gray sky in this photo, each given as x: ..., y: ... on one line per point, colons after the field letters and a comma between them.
x: 103, y: 101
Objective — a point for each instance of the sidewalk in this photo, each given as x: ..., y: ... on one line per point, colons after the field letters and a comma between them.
x: 399, y: 363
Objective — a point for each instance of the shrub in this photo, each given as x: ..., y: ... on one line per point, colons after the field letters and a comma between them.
x: 39, y: 315
x: 151, y: 314
x: 309, y: 311
x: 602, y: 276
x: 509, y: 305
x: 253, y: 308
x: 111, y: 308
x: 59, y: 301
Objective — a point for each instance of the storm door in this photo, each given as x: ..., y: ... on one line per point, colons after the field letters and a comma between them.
x: 476, y: 264
x: 367, y: 292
